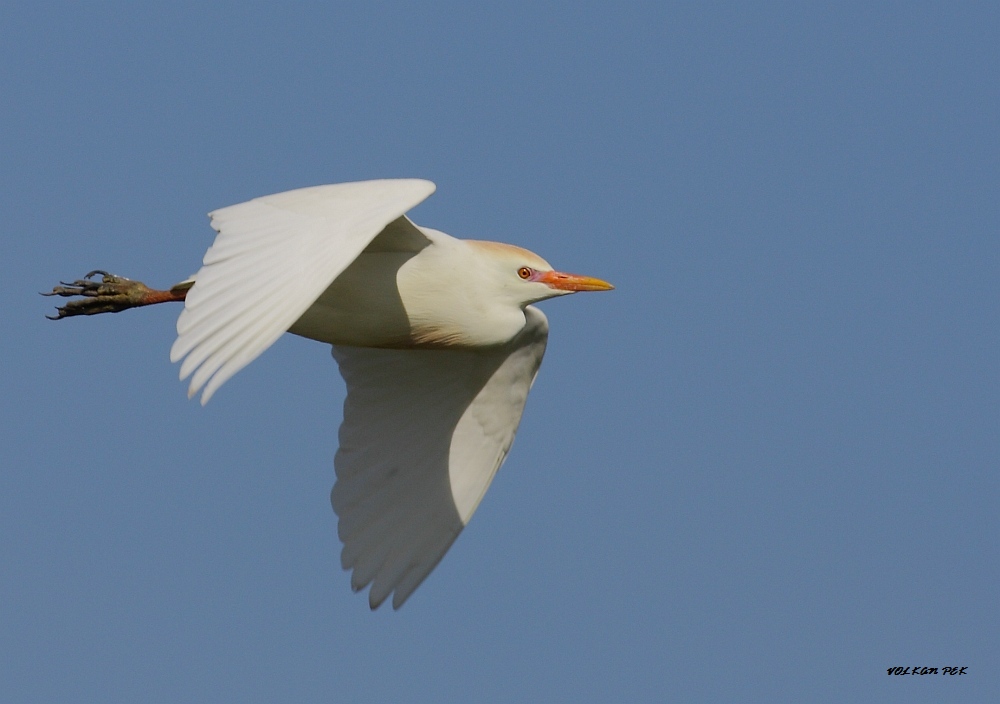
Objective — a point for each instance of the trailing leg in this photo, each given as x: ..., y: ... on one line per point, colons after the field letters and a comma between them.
x: 111, y: 294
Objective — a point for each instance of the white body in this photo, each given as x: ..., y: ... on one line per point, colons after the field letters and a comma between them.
x: 392, y: 298
x: 434, y: 336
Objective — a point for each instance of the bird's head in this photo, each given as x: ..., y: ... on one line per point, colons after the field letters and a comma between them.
x: 525, y: 278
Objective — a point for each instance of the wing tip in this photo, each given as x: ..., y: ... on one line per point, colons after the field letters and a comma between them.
x: 423, y: 189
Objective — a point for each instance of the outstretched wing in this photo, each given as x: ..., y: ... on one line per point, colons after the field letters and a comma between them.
x: 424, y: 432
x: 271, y: 260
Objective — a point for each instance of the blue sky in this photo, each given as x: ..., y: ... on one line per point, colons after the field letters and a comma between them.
x: 763, y: 469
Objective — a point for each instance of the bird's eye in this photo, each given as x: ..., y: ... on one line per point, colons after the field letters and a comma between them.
x: 524, y: 272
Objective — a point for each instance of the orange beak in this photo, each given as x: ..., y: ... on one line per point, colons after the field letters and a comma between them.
x: 572, y: 282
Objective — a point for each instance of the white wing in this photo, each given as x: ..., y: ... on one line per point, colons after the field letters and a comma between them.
x: 424, y: 432
x: 271, y: 260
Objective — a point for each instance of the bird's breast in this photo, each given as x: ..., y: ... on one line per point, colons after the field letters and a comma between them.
x: 403, y: 300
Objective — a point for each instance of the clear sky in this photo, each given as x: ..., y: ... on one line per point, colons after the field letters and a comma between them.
x: 763, y: 469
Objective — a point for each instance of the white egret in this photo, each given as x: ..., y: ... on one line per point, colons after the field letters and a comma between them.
x: 436, y: 339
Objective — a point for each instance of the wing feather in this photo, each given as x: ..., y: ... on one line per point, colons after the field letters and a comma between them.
x: 424, y: 433
x: 271, y: 260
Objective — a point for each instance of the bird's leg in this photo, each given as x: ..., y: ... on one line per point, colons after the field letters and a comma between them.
x: 111, y: 294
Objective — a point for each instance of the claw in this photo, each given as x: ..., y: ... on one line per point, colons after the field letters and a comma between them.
x: 112, y: 294
x: 86, y: 287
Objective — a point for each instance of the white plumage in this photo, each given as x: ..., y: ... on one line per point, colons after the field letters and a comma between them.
x: 272, y: 259
x: 424, y: 432
x: 435, y: 338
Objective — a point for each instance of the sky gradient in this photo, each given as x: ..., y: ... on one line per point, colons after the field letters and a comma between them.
x: 764, y: 468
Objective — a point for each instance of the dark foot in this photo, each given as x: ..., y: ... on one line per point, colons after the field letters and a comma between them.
x: 111, y: 294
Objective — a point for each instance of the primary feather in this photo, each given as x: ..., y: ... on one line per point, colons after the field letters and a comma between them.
x: 271, y: 260
x: 424, y: 433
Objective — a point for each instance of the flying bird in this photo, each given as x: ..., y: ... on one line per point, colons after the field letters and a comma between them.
x: 436, y: 338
